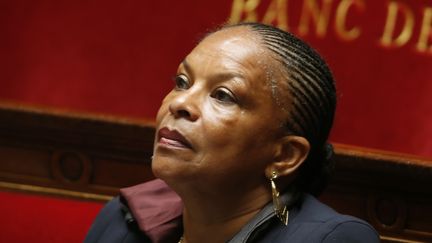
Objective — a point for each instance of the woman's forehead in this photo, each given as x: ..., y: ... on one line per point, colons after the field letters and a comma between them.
x: 233, y: 51
x: 238, y: 40
x: 232, y: 47
x: 245, y: 32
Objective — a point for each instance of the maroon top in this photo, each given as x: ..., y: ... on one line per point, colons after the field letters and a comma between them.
x: 156, y: 208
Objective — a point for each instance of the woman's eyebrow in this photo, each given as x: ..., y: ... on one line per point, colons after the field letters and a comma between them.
x: 186, y: 66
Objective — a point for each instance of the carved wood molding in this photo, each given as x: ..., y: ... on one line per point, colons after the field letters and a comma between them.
x: 88, y: 153
x: 390, y: 190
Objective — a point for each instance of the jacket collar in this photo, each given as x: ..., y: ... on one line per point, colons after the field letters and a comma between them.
x: 266, y: 216
x: 157, y: 210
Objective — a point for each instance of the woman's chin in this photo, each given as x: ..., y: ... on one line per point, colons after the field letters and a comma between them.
x: 168, y: 170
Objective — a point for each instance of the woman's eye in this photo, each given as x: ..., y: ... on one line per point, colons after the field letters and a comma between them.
x: 181, y: 82
x: 224, y: 95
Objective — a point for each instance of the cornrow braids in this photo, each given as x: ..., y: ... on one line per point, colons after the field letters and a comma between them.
x: 313, y: 92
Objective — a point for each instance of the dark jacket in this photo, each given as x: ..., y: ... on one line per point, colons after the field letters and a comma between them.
x: 309, y: 221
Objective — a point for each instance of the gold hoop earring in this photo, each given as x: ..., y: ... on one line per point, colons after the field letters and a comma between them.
x: 278, y: 207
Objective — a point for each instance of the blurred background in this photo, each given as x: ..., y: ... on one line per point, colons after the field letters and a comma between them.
x: 119, y: 58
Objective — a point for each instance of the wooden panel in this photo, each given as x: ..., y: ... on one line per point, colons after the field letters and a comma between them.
x: 85, y: 153
x: 91, y: 157
x: 391, y: 191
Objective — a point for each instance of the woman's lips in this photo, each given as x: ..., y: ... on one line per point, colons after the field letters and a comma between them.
x: 173, y: 138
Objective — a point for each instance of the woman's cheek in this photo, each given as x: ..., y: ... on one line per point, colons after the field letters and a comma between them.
x: 163, y: 110
x: 221, y: 130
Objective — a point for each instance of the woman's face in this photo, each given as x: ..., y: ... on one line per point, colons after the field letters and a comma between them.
x: 220, y: 123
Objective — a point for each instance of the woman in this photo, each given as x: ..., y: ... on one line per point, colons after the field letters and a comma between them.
x: 241, y: 139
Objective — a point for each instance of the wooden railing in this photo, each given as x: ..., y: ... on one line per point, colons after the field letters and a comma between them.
x: 88, y: 156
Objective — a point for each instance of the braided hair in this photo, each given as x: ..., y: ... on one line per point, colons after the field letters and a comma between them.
x: 313, y: 91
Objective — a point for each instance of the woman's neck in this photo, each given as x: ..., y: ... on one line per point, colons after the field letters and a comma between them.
x: 218, y: 218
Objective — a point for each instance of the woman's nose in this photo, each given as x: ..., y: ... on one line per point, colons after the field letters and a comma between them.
x: 185, y: 105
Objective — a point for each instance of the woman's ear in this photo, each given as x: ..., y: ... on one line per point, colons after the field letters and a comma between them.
x: 291, y: 152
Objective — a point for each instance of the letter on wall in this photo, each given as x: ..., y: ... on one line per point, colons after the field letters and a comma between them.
x: 341, y: 16
x: 388, y: 38
x: 319, y: 16
x: 425, y: 32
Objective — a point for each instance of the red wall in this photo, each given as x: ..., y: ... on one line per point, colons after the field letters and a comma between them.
x: 33, y: 218
x: 118, y: 58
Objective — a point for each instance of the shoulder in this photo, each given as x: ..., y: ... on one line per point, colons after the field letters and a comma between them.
x: 349, y: 229
x: 111, y: 226
x: 314, y: 221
